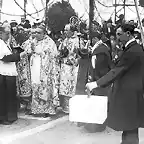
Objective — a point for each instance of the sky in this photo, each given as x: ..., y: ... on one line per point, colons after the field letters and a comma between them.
x: 80, y: 6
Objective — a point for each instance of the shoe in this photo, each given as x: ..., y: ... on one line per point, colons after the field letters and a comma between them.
x: 48, y: 115
x: 7, y: 122
x: 41, y: 115
x: 28, y: 112
x: 58, y: 109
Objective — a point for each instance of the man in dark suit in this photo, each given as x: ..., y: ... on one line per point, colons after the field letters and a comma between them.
x: 126, y: 102
x: 109, y: 31
x: 120, y: 21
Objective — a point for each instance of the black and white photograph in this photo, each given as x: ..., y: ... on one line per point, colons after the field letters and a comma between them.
x: 71, y: 71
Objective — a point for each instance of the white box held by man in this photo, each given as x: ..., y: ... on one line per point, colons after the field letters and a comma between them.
x: 86, y: 109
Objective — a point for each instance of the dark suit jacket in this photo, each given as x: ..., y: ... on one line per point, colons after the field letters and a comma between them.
x: 111, y: 33
x: 103, y: 61
x: 126, y: 102
x: 102, y: 66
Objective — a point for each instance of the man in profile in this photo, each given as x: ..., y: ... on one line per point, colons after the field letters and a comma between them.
x: 126, y: 102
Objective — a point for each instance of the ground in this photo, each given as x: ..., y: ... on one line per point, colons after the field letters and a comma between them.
x: 61, y: 131
x: 24, y: 124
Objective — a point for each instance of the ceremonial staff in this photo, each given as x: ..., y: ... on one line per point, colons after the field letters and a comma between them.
x: 91, y: 18
x: 25, y: 3
x: 46, y: 9
x: 1, y: 1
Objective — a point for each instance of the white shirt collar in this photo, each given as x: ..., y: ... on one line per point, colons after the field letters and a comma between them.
x: 130, y: 41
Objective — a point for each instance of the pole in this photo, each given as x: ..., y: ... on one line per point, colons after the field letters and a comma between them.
x: 124, y: 9
x: 91, y: 17
x: 0, y: 14
x: 25, y: 2
x: 1, y: 1
x: 130, y: 5
x: 46, y: 9
x: 115, y: 10
x: 142, y: 33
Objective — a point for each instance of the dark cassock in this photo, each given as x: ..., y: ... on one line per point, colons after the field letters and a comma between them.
x: 109, y: 31
x: 8, y: 74
x: 101, y: 63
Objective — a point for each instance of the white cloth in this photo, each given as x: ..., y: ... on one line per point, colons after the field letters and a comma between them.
x: 88, y: 110
x: 96, y: 45
x: 35, y: 68
x: 6, y: 68
x: 94, y: 57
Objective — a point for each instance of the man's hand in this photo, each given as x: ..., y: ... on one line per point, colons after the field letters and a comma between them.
x: 90, y: 86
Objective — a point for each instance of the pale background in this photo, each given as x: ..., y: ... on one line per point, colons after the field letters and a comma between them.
x: 80, y: 6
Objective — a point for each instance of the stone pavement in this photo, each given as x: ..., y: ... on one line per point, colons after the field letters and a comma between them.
x: 24, y: 124
x: 68, y: 133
